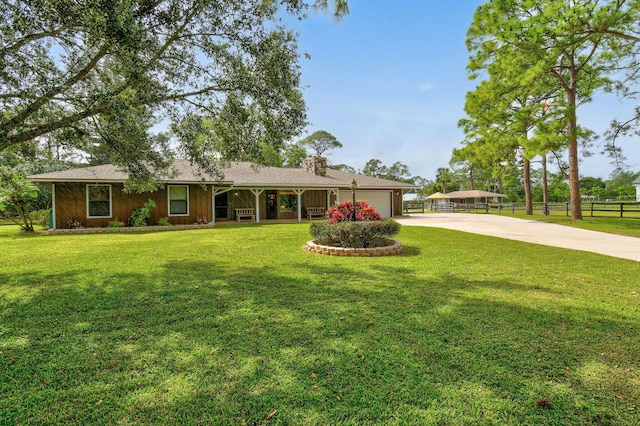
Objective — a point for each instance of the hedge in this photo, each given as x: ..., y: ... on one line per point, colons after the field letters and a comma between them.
x: 359, y: 234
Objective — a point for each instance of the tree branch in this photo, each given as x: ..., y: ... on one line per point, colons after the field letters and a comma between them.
x: 51, y: 126
x: 29, y: 38
x: 39, y: 102
x: 180, y: 96
x: 622, y: 35
x: 588, y: 58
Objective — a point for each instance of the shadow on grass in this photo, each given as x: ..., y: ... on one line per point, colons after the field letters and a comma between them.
x: 204, y: 342
x: 199, y: 342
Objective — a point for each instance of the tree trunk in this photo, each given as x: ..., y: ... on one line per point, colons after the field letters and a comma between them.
x: 472, y: 178
x: 572, y: 130
x: 545, y: 187
x: 528, y: 205
x: 23, y: 212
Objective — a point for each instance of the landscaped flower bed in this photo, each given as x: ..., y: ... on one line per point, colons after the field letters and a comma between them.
x: 368, y: 235
x: 395, y: 247
x: 109, y: 230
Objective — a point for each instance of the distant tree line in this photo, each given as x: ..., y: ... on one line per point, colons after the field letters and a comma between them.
x: 460, y: 176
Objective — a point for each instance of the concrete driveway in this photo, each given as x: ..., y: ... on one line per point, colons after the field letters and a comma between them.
x: 531, y: 231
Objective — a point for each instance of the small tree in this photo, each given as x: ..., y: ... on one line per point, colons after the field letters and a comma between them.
x: 140, y: 215
x: 15, y: 194
x: 375, y: 168
x: 293, y: 155
x: 320, y: 142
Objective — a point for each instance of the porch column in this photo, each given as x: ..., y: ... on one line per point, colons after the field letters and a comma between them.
x: 215, y: 192
x: 213, y: 205
x: 257, y: 193
x: 53, y: 206
x: 329, y: 192
x: 299, y: 193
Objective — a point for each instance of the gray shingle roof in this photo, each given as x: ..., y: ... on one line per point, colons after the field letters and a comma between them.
x: 240, y: 174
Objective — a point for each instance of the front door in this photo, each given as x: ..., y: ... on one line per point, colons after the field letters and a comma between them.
x: 222, y: 206
x: 272, y: 204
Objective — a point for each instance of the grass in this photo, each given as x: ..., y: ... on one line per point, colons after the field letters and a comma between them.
x: 238, y: 325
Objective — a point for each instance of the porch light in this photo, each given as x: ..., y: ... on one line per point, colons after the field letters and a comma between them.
x: 354, y: 185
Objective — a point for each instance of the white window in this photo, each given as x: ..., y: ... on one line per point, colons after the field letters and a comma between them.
x: 98, y: 200
x: 178, y: 200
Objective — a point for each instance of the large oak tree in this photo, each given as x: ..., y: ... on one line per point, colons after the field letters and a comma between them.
x: 77, y: 70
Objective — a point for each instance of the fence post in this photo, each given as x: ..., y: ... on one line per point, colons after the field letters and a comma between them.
x: 567, y: 209
x: 591, y: 209
x: 621, y: 209
x: 513, y: 208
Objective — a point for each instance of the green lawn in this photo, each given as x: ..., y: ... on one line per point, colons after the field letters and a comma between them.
x: 237, y: 325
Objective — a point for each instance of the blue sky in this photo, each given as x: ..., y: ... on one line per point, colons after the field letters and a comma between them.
x: 389, y: 81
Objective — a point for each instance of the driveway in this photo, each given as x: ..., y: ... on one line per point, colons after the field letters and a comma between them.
x: 531, y: 231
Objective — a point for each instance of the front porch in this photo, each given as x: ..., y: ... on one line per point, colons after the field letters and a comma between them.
x: 281, y: 205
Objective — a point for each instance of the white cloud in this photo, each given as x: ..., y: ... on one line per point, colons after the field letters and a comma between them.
x: 427, y: 86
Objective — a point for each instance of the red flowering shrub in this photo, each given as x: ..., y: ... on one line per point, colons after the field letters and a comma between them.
x: 368, y: 230
x: 344, y: 212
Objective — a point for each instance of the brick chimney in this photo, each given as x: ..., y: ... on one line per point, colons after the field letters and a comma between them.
x: 316, y: 165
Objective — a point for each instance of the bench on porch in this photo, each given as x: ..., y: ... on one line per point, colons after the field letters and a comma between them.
x: 246, y: 214
x: 319, y: 212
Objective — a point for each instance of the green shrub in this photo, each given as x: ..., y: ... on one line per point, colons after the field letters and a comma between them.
x: 115, y: 224
x: 41, y: 217
x: 140, y: 215
x: 355, y: 234
x: 164, y: 222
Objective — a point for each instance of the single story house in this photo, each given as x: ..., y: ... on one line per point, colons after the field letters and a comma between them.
x: 95, y: 195
x: 636, y: 183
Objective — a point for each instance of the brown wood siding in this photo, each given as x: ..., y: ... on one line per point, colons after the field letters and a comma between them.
x: 397, y: 202
x: 71, y: 202
x: 240, y: 199
x: 313, y: 198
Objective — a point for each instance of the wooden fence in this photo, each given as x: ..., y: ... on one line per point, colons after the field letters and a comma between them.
x: 592, y: 209
x: 413, y: 207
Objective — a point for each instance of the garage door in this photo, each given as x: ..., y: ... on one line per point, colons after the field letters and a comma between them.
x: 380, y: 200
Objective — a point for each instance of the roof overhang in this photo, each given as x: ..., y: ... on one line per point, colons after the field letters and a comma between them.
x: 112, y: 181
